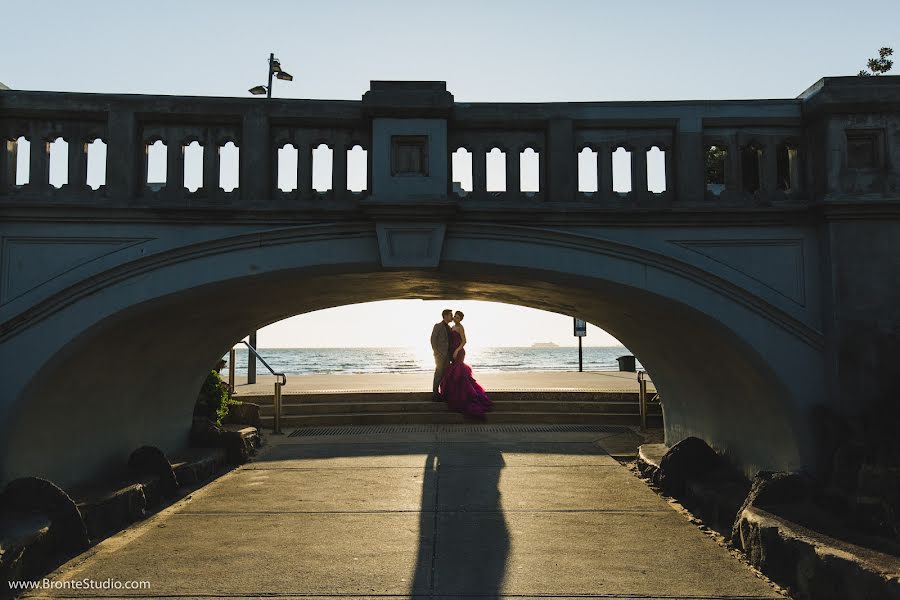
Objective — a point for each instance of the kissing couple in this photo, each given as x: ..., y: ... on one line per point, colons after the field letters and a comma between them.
x: 453, y: 380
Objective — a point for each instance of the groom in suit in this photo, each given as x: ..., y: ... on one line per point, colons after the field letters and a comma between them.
x: 440, y: 344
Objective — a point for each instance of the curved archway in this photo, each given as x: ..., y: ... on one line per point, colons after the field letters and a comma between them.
x: 141, y: 336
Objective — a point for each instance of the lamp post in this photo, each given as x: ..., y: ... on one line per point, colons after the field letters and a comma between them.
x: 259, y: 90
x: 274, y: 69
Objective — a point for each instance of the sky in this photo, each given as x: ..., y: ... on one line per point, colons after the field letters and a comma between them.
x: 486, y: 51
x: 488, y: 324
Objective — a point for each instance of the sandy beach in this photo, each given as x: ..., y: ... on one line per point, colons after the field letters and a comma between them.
x: 595, y: 381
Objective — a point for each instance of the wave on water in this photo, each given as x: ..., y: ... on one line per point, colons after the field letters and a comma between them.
x: 318, y: 361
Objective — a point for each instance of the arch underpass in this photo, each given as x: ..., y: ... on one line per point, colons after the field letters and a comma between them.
x: 754, y: 274
x: 113, y: 360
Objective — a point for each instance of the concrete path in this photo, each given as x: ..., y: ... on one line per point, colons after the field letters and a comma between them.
x: 595, y: 381
x: 437, y: 515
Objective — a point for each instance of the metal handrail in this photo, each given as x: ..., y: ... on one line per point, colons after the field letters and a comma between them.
x: 642, y: 391
x: 265, y: 364
x: 279, y: 383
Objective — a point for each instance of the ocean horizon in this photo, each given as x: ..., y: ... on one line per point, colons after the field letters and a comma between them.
x: 318, y: 361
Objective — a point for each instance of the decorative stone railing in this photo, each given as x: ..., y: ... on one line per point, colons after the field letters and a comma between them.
x: 715, y: 154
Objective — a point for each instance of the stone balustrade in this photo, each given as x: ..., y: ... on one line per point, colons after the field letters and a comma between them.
x: 712, y: 154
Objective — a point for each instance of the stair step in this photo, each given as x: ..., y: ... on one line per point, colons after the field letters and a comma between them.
x: 500, y: 406
x: 395, y: 396
x: 453, y: 417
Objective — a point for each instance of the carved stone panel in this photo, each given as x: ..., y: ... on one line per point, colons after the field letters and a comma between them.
x: 409, y: 159
x: 775, y: 263
x: 409, y: 155
x: 405, y: 245
x: 29, y: 262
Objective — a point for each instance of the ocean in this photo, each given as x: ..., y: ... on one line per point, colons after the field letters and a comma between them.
x: 315, y: 361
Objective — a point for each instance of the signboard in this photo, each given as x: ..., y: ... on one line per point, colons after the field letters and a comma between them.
x: 580, y: 327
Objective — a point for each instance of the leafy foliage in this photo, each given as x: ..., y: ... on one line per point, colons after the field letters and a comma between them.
x: 880, y: 65
x: 214, y: 398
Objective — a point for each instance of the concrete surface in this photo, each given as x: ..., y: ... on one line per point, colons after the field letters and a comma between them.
x: 431, y: 516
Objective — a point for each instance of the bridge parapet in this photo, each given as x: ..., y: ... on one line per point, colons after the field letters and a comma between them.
x: 716, y: 155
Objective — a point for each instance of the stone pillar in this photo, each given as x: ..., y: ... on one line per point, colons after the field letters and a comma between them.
x: 8, y: 165
x: 409, y: 154
x: 479, y: 171
x: 304, y: 169
x: 688, y: 175
x: 256, y: 181
x: 175, y: 169
x: 670, y: 172
x: 562, y: 161
x: 122, y: 155
x: 370, y: 165
x: 769, y: 174
x: 604, y: 173
x: 639, y: 174
x: 39, y: 175
x: 542, y: 175
x: 794, y: 154
x: 733, y: 181
x: 339, y: 170
x: 78, y: 150
x: 211, y: 167
x: 513, y: 173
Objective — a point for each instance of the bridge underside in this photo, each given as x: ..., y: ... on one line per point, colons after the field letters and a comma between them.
x: 755, y: 281
x: 109, y: 382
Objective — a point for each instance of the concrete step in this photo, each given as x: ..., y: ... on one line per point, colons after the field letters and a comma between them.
x: 500, y: 406
x: 407, y: 396
x: 453, y: 417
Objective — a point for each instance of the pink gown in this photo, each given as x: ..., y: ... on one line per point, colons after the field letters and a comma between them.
x: 459, y: 388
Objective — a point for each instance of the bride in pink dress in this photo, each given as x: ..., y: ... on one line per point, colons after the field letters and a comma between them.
x: 458, y: 386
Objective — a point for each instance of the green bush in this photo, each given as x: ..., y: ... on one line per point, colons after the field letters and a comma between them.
x: 214, y: 399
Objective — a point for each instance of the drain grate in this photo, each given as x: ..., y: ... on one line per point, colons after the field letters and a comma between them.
x: 434, y: 428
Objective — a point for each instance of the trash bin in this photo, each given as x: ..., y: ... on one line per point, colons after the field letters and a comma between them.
x: 626, y: 363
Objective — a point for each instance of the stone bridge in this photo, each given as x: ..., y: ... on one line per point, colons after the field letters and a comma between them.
x: 755, y: 273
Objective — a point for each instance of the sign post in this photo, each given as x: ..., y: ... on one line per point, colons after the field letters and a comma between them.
x: 580, y: 326
x: 251, y: 360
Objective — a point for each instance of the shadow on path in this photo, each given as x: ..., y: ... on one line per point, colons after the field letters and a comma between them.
x: 471, y: 539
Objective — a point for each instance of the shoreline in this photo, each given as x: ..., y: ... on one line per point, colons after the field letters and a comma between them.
x: 263, y: 350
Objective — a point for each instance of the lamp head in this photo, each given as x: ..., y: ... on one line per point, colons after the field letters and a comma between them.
x: 284, y: 76
x: 258, y: 90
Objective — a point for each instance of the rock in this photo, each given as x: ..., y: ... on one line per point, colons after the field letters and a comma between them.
x: 68, y: 533
x: 240, y: 445
x: 812, y: 565
x: 149, y: 460
x: 772, y: 489
x: 874, y: 515
x: 244, y: 413
x: 691, y: 458
x: 846, y: 463
x: 107, y: 510
x: 876, y: 480
x: 23, y: 550
x: 205, y: 433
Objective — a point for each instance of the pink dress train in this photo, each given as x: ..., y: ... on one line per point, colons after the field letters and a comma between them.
x: 458, y: 386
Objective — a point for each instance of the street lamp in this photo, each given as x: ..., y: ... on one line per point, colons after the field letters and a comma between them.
x: 274, y: 69
x: 259, y: 90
